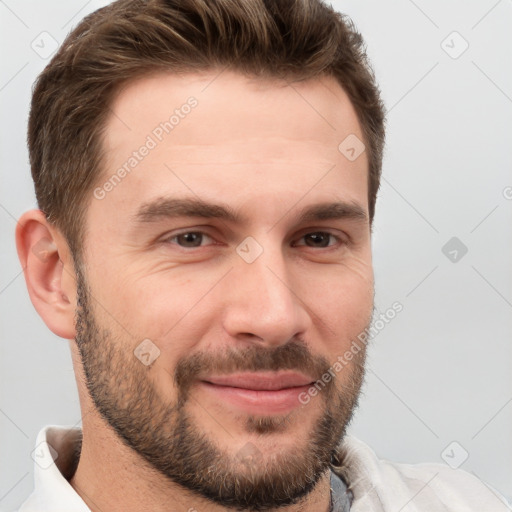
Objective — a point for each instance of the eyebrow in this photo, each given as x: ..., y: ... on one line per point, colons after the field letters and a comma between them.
x: 164, y: 208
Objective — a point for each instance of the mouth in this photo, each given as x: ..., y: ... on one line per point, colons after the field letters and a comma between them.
x: 258, y: 392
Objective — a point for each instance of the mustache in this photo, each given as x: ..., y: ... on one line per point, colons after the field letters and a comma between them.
x: 294, y: 355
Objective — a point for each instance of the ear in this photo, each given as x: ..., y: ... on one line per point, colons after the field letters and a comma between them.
x: 49, y: 272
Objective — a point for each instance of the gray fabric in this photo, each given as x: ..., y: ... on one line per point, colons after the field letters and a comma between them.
x: 341, y: 497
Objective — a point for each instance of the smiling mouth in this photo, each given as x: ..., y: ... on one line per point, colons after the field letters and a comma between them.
x: 258, y: 392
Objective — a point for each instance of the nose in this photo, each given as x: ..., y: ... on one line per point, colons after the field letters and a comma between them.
x: 263, y: 302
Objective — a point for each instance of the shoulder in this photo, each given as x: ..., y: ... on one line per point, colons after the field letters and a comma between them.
x: 378, y: 484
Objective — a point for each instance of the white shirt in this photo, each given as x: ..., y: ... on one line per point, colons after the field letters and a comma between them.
x: 377, y: 485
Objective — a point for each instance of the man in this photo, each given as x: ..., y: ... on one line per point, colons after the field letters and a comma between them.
x: 207, y: 173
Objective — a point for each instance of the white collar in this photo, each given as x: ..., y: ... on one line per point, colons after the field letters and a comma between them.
x: 54, y: 463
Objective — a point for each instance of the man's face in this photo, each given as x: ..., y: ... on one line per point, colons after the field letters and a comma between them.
x: 236, y: 249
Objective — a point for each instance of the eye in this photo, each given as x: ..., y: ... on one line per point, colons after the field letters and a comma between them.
x: 319, y: 239
x: 189, y: 239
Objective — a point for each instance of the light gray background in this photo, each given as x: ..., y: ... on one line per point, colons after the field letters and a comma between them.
x: 441, y: 370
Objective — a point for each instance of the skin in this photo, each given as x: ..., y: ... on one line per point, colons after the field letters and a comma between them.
x: 266, y: 149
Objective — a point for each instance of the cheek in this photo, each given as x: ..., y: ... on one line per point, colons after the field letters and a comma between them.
x: 139, y: 299
x: 174, y: 311
x: 341, y: 299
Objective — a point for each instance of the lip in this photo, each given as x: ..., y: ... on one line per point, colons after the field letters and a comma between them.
x: 261, y: 381
x: 261, y: 392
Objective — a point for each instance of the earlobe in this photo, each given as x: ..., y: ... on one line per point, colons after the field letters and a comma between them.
x: 49, y: 274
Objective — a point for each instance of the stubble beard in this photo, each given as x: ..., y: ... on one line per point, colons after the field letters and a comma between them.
x: 168, y: 438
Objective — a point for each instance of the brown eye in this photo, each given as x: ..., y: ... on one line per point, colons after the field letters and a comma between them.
x: 317, y: 239
x: 189, y: 239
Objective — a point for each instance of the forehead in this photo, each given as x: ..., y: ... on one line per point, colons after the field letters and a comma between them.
x: 222, y: 135
x: 231, y: 106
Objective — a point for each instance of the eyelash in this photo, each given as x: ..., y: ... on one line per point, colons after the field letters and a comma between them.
x: 338, y: 240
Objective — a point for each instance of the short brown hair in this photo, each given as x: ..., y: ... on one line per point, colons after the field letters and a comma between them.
x: 290, y: 39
